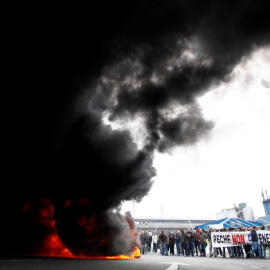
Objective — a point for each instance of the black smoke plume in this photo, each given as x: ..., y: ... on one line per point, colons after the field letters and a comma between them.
x: 80, y: 78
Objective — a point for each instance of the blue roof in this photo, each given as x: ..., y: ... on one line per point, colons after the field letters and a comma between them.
x: 229, y: 223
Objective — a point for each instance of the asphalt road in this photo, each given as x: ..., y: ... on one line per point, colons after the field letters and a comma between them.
x: 149, y: 261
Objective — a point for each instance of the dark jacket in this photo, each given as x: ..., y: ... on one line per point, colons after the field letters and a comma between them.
x: 183, y: 237
x: 178, y: 238
x: 149, y: 240
x: 189, y: 236
x: 171, y: 239
x: 143, y: 238
x: 254, y: 236
x: 195, y: 237
x: 201, y: 238
x: 209, y: 234
x: 163, y: 238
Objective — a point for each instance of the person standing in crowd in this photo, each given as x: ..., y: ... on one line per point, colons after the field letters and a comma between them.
x: 235, y: 249
x: 147, y: 236
x: 163, y: 240
x: 214, y: 249
x: 202, y: 242
x: 171, y: 243
x: 223, y: 249
x: 178, y: 243
x: 217, y: 251
x: 195, y: 242
x: 155, y: 239
x: 189, y: 236
x: 255, y: 243
x: 183, y: 242
x: 143, y: 242
x: 230, y: 249
x: 238, y: 249
x: 206, y: 241
x: 263, y: 247
x: 168, y: 246
x: 247, y: 248
x: 159, y: 245
x: 210, y: 242
x: 149, y: 242
x: 268, y: 229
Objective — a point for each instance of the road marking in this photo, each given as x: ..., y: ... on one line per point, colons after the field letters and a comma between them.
x: 173, y: 265
x: 255, y: 267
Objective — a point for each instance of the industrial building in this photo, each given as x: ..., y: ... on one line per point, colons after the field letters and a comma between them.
x: 167, y: 225
x: 228, y: 223
x: 240, y: 211
x: 237, y: 211
x: 266, y: 205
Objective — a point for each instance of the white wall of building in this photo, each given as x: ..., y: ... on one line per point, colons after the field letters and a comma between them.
x: 248, y: 214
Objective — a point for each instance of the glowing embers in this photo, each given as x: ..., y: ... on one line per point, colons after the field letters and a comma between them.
x: 136, y: 254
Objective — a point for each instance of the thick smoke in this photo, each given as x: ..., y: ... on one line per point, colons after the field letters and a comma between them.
x: 75, y: 75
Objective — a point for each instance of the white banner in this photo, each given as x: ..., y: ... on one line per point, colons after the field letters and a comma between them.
x: 229, y: 239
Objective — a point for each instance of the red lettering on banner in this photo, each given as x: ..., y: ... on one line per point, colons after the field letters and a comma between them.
x: 238, y: 239
x: 242, y: 239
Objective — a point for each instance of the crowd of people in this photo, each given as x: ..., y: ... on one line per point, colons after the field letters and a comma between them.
x: 194, y: 243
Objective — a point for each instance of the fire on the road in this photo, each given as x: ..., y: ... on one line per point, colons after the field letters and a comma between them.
x: 53, y: 246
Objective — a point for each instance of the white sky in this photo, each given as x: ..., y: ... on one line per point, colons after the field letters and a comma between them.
x: 230, y: 166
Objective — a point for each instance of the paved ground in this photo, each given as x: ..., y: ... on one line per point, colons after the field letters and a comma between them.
x: 149, y: 261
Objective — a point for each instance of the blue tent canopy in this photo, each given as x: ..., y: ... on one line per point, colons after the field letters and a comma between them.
x: 228, y: 223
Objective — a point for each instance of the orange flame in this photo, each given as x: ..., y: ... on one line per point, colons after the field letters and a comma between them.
x: 53, y: 246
